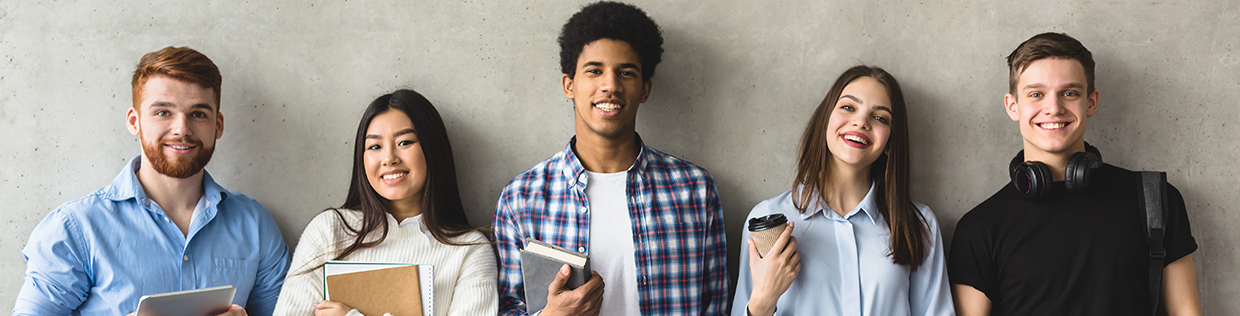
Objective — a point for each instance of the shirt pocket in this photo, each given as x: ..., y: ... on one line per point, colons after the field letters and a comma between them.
x: 239, y: 273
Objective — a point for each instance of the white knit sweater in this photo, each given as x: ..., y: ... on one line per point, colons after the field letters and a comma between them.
x: 464, y: 275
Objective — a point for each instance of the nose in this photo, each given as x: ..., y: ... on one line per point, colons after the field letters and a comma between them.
x: 389, y: 156
x: 611, y: 83
x: 1055, y: 107
x: 860, y: 121
x: 180, y: 126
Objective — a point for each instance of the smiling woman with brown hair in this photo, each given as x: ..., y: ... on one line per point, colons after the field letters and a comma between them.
x: 873, y: 251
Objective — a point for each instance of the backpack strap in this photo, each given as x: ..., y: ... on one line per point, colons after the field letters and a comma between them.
x: 1154, y: 202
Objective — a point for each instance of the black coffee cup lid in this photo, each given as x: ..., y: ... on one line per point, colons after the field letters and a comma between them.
x: 766, y: 222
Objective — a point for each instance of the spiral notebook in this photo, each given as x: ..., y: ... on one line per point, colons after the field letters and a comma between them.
x: 374, y: 288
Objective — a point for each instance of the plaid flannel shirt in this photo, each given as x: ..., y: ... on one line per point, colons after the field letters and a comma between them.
x: 677, y: 222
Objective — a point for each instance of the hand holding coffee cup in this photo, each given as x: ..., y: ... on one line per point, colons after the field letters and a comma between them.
x: 772, y: 275
x: 766, y: 230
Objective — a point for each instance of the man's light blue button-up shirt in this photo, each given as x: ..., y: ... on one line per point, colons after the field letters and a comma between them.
x: 100, y: 254
x: 845, y: 267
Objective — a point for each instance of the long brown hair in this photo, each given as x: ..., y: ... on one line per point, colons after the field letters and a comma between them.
x: 442, y: 210
x: 890, y: 172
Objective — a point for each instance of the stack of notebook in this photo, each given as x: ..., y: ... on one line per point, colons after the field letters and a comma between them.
x: 378, y: 288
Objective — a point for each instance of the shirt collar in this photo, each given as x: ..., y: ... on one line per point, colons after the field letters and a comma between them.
x: 868, y: 206
x: 575, y: 172
x: 126, y: 186
x: 414, y: 221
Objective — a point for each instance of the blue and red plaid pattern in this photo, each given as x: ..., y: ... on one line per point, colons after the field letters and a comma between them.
x: 677, y: 225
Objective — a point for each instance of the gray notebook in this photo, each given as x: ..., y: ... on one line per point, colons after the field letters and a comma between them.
x: 540, y: 262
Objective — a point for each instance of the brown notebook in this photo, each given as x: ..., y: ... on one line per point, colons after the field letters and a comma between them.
x: 396, y: 290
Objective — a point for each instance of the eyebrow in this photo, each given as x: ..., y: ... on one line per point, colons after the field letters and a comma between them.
x: 166, y: 104
x: 1042, y: 86
x: 855, y: 99
x: 398, y: 134
x: 201, y: 106
x: 600, y: 64
x: 162, y: 104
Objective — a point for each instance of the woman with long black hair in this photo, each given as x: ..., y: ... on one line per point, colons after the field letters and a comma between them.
x: 403, y: 206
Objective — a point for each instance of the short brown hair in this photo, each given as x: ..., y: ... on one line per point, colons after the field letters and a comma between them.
x: 179, y: 63
x: 1049, y: 45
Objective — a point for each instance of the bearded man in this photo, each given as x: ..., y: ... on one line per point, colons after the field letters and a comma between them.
x: 163, y: 224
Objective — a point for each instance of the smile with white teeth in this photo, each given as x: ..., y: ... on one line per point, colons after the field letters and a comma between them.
x: 857, y: 139
x: 394, y: 176
x: 179, y: 147
x: 607, y: 106
x: 1052, y: 125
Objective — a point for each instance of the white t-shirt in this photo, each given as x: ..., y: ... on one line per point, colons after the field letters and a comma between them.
x: 611, y: 242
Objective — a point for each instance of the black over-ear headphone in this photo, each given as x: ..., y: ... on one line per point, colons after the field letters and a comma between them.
x: 1033, y: 178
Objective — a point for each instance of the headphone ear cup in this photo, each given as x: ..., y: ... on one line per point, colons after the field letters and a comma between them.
x: 1032, y: 179
x: 1080, y: 167
x: 1072, y: 173
x: 1016, y: 162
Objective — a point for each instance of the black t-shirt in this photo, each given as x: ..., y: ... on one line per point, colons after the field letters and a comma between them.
x: 1069, y: 254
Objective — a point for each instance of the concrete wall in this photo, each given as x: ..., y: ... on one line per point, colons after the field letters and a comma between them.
x: 738, y: 82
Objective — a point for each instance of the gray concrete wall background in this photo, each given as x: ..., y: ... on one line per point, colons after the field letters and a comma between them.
x: 738, y: 81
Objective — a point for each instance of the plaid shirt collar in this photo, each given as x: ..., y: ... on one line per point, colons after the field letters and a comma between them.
x: 573, y: 169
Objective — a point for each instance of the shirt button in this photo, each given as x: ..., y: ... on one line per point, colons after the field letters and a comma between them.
x: 581, y: 249
x: 185, y: 258
x: 583, y: 209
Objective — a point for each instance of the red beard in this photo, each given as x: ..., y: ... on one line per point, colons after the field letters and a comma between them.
x: 177, y: 167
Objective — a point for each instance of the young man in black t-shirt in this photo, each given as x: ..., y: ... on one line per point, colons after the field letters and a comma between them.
x: 1065, y: 248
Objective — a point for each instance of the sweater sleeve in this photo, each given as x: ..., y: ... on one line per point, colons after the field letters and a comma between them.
x: 475, y: 287
x: 304, y: 284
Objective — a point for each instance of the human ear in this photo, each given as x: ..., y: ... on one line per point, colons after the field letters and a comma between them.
x: 1093, y: 104
x: 219, y: 125
x: 646, y: 89
x: 132, y: 121
x: 568, y: 85
x: 1009, y: 105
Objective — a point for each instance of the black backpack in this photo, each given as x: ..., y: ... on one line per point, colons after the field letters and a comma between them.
x: 1154, y: 202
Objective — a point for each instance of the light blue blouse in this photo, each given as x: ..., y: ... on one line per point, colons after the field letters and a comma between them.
x: 845, y: 267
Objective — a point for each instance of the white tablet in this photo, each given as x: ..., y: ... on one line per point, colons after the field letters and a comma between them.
x: 201, y: 302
